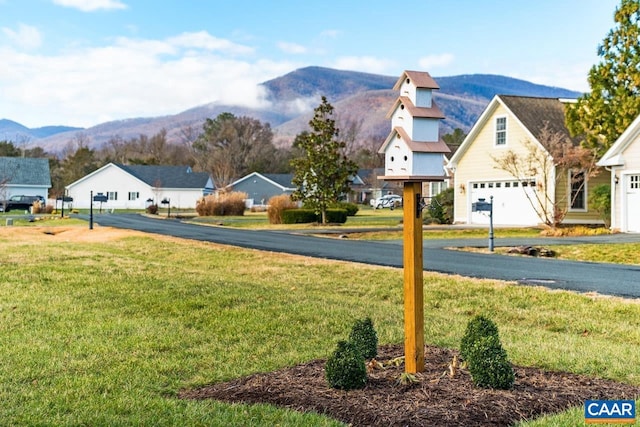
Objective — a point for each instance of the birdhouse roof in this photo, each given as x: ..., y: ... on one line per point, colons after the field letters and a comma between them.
x: 420, y: 79
x: 432, y: 112
x: 415, y: 146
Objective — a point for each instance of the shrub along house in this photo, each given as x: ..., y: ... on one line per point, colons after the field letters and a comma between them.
x: 24, y: 176
x: 520, y: 126
x: 138, y: 186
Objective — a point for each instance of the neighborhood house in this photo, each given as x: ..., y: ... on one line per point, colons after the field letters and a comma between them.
x: 623, y: 160
x: 24, y: 176
x: 517, y: 124
x: 138, y: 186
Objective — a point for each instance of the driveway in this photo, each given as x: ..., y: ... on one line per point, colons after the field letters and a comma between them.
x: 610, y: 279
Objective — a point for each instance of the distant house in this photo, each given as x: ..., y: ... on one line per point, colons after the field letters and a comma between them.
x: 261, y: 187
x: 507, y: 124
x: 137, y: 186
x: 24, y: 176
x: 623, y: 160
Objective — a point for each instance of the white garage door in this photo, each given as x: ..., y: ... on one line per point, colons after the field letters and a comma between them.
x: 632, y: 203
x: 510, y: 203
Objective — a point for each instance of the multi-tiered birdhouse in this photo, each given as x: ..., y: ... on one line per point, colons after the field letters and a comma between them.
x: 414, y: 151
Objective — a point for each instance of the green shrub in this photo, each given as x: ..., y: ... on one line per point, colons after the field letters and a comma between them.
x: 365, y: 338
x: 298, y: 216
x: 345, y: 368
x: 488, y: 364
x: 304, y: 216
x: 600, y: 201
x: 335, y: 216
x: 477, y: 328
x: 351, y: 208
x: 277, y: 205
x: 440, y: 208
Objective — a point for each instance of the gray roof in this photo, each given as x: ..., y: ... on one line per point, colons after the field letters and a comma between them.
x: 283, y: 179
x: 535, y: 112
x: 25, y: 171
x: 167, y: 176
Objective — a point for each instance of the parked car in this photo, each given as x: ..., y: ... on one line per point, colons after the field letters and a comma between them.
x: 387, y: 201
x: 20, y: 202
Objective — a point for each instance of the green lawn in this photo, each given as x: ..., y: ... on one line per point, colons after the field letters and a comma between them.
x: 107, y: 333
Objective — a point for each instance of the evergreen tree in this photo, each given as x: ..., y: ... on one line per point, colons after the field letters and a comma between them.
x: 322, y: 172
x: 601, y: 115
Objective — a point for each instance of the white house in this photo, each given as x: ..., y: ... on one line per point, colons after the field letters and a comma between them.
x: 24, y: 176
x: 623, y: 160
x: 413, y: 150
x: 137, y: 186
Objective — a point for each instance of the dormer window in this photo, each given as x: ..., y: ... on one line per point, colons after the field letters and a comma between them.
x: 501, y: 131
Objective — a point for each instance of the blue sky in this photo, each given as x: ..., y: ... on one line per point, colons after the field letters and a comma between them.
x: 84, y: 62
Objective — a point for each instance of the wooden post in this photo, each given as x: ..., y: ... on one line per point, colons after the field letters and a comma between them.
x: 413, y: 285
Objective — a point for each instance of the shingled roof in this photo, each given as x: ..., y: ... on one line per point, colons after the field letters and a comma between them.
x: 25, y: 171
x: 167, y: 176
x: 534, y: 113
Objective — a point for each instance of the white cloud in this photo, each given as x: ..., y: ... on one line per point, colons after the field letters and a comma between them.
x: 26, y: 37
x: 430, y: 62
x: 331, y: 34
x: 91, y: 5
x: 292, y: 48
x: 130, y: 78
x: 368, y: 63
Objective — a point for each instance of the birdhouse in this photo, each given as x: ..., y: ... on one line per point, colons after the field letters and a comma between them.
x: 413, y: 150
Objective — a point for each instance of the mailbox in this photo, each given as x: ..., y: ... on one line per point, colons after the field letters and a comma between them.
x: 100, y: 198
x: 481, y: 206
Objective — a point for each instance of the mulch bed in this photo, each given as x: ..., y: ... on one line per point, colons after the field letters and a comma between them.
x: 436, y: 400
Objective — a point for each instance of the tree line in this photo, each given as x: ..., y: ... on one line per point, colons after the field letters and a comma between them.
x: 227, y: 147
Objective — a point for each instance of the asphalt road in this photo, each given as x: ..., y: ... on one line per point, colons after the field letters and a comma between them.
x: 610, y: 279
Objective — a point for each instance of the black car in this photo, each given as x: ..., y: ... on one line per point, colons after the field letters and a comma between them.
x: 21, y: 202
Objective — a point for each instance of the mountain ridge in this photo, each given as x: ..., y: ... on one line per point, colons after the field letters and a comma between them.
x: 363, y: 97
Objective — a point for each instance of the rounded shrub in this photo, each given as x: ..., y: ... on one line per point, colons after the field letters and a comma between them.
x: 363, y: 335
x: 488, y: 364
x: 345, y: 368
x: 351, y: 208
x: 478, y: 327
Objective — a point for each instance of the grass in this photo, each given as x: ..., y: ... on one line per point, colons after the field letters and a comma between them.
x: 366, y: 217
x: 619, y: 253
x: 107, y: 333
x: 622, y: 253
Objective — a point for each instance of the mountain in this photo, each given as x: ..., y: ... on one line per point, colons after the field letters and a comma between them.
x: 13, y: 131
x: 359, y: 97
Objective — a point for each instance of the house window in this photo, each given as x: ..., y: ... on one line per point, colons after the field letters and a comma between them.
x: 634, y: 182
x: 578, y: 188
x: 112, y: 195
x: 438, y: 187
x: 134, y: 195
x: 501, y: 131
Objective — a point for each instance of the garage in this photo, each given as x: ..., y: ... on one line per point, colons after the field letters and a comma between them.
x: 631, y: 204
x: 510, y: 203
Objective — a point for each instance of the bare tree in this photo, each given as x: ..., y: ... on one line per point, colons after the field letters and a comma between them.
x: 550, y: 163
